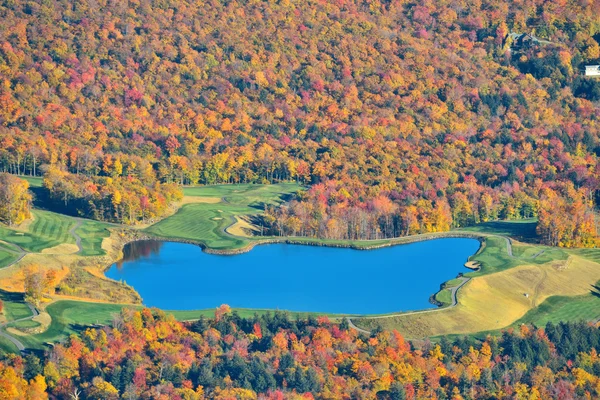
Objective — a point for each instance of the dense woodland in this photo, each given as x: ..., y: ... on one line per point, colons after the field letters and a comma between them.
x: 407, y: 116
x: 148, y: 355
x: 399, y: 118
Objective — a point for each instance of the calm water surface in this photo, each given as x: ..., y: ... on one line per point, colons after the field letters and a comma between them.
x: 176, y: 276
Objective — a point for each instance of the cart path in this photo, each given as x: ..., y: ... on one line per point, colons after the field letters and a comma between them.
x: 14, y: 340
x: 16, y: 249
x: 76, y: 236
x: 508, y: 246
x: 453, y: 292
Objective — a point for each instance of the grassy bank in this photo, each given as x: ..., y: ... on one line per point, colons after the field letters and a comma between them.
x: 92, y: 233
x: 8, y: 254
x: 48, y: 229
x: 529, y: 282
x: 71, y: 317
x: 211, y: 209
x: 535, y: 285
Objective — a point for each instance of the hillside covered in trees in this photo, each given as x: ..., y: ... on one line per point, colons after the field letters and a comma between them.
x: 406, y: 117
x: 148, y: 355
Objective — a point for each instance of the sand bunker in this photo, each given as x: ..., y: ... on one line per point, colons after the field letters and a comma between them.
x: 242, y: 228
x: 472, y: 265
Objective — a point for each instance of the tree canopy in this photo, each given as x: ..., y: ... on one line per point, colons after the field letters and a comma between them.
x: 427, y: 105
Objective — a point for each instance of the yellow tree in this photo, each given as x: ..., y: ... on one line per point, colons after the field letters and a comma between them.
x: 15, y: 199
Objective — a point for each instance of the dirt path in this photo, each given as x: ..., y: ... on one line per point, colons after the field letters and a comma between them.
x: 453, y: 292
x: 76, y: 236
x: 14, y: 340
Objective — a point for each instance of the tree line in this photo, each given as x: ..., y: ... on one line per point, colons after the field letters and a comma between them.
x: 118, y: 199
x: 147, y: 354
x: 427, y: 105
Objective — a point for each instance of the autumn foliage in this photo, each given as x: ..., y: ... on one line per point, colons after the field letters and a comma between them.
x: 413, y: 116
x: 15, y: 199
x: 148, y: 355
x: 126, y: 199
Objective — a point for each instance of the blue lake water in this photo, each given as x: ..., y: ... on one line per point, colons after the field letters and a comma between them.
x: 176, y: 276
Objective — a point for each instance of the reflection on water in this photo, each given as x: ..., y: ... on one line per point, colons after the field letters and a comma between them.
x: 140, y: 249
x: 178, y: 276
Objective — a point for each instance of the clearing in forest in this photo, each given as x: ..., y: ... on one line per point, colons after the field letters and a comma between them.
x: 208, y: 212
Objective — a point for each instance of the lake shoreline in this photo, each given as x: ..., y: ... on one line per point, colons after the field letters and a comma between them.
x: 366, y: 259
x: 320, y: 242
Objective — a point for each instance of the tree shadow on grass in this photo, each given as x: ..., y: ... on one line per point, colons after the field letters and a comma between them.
x: 80, y: 328
x: 283, y: 198
x: 40, y: 197
x: 12, y: 297
x: 523, y: 231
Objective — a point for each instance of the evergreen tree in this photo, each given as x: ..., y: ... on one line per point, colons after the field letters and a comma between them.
x: 344, y: 325
x: 300, y: 383
x: 116, y: 378
x: 397, y: 391
x: 33, y: 366
x: 206, y: 376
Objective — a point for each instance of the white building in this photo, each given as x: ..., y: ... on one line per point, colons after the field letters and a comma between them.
x: 592, y: 70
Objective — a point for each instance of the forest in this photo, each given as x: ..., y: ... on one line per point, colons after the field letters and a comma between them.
x: 146, y: 354
x: 395, y: 117
x: 402, y: 117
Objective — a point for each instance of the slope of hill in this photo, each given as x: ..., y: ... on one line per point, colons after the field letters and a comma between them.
x: 419, y: 116
x: 150, y: 355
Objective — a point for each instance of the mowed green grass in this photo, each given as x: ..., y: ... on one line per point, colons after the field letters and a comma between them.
x: 7, y: 255
x: 48, y: 229
x: 563, y: 308
x: 493, y: 257
x: 52, y: 227
x: 245, y: 194
x: 27, y: 324
x: 590, y: 254
x: 521, y: 230
x: 539, y: 254
x: 71, y: 317
x: 14, y: 308
x: 554, y: 309
x: 14, y: 305
x: 444, y: 296
x: 92, y: 233
x: 206, y: 222
x: 34, y: 181
x: 7, y: 346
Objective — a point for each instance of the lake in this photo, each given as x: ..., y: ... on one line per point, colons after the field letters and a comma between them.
x: 177, y: 276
